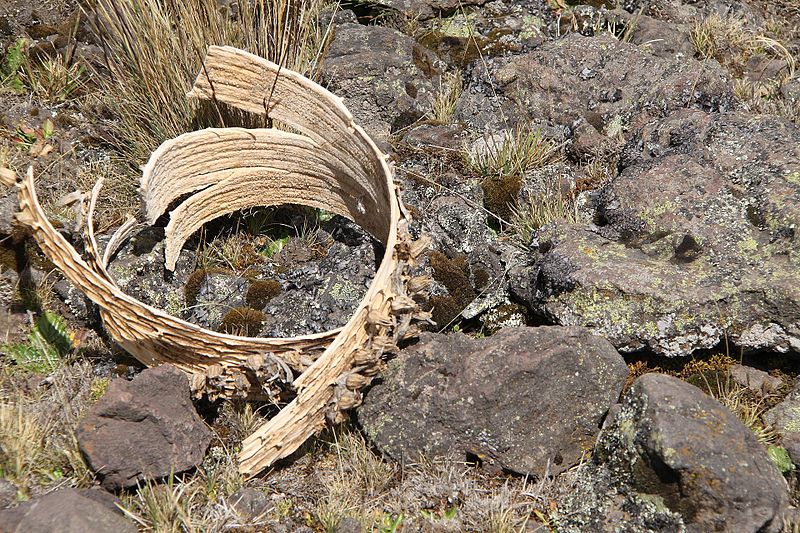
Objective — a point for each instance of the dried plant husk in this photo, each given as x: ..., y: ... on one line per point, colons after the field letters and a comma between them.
x: 320, y: 158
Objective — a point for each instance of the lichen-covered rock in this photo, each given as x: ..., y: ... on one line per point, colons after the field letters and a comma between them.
x: 595, y: 503
x: 321, y: 294
x: 217, y: 293
x: 599, y: 82
x: 143, y: 429
x: 695, y: 241
x: 681, y: 448
x: 527, y: 399
x: 785, y: 419
x: 387, y: 79
x: 138, y: 269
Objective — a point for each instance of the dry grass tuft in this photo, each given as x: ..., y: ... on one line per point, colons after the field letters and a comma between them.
x: 727, y: 40
x: 540, y: 209
x: 118, y: 197
x: 54, y: 81
x: 155, y: 48
x: 355, y: 484
x: 444, y: 104
x: 197, y: 503
x: 748, y: 406
x: 518, y: 151
x: 38, y: 447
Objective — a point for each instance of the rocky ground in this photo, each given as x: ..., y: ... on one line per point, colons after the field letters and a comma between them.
x: 612, y: 191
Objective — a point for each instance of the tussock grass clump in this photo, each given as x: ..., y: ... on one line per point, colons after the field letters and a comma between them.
x: 540, y: 209
x: 359, y: 478
x: 52, y: 81
x: 517, y: 152
x: 444, y: 103
x: 154, y: 50
x: 502, y: 163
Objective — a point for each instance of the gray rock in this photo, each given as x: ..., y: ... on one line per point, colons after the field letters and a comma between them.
x: 143, y: 429
x: 66, y: 511
x: 138, y: 269
x: 250, y: 503
x: 322, y: 295
x: 9, y: 205
x: 785, y: 419
x: 754, y: 379
x: 386, y: 78
x: 525, y: 399
x: 425, y: 9
x: 349, y: 525
x: 696, y: 242
x: 8, y: 492
x: 677, y: 446
x: 662, y: 38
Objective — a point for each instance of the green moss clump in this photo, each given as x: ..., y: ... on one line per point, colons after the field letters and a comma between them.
x: 262, y: 291
x: 500, y: 194
x: 454, y: 275
x: 242, y: 321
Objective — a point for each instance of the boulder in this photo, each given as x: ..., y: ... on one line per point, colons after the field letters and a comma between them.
x: 388, y: 80
x: 756, y: 380
x: 66, y: 511
x: 694, y: 240
x: 143, y: 429
x: 529, y: 400
x: 678, y: 446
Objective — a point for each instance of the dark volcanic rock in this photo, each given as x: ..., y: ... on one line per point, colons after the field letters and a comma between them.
x: 250, y: 503
x: 142, y: 429
x: 138, y: 269
x: 696, y: 240
x: 600, y: 82
x: 386, y: 78
x: 671, y: 441
x: 66, y: 511
x: 526, y: 399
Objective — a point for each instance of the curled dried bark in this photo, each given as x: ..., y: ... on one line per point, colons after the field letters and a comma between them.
x: 330, y: 163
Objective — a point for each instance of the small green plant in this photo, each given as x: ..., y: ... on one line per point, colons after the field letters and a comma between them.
x: 48, y: 345
x: 98, y: 388
x: 26, y: 135
x: 390, y: 523
x: 781, y: 458
x: 54, y: 81
x: 12, y: 65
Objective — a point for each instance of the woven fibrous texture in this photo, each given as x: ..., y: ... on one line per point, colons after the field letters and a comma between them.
x: 320, y: 158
